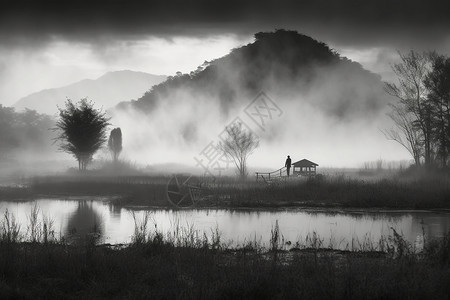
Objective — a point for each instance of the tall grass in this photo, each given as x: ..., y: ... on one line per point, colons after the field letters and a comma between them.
x: 34, y: 226
x: 405, y: 191
x: 338, y: 191
x: 186, y: 264
x: 40, y: 229
x: 10, y: 229
x: 141, y: 228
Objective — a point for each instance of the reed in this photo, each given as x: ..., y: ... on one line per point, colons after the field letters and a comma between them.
x: 404, y: 191
x: 189, y: 265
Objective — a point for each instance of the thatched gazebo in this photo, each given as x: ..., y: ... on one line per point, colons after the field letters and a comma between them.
x: 304, y: 167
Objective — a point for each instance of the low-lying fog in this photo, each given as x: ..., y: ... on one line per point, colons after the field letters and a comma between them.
x: 331, y: 115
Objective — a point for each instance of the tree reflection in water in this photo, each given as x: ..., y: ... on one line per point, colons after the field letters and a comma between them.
x: 84, y: 224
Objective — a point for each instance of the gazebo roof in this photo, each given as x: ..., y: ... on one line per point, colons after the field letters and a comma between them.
x: 305, y: 163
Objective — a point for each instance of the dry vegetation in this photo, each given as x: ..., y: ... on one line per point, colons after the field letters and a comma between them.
x: 187, y: 265
x: 407, y: 190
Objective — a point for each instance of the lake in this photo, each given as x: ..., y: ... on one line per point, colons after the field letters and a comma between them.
x: 343, y: 229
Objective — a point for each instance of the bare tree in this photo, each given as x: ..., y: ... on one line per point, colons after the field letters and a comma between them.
x: 413, y: 104
x: 238, y: 145
x: 115, y: 143
x: 406, y: 134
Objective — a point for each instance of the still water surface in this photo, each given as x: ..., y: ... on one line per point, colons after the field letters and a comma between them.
x: 341, y: 228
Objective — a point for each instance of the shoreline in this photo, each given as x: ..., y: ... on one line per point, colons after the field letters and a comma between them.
x: 327, y: 193
x: 119, y: 200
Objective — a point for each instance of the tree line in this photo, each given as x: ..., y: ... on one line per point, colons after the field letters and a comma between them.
x: 80, y: 130
x: 421, y: 113
x: 22, y: 131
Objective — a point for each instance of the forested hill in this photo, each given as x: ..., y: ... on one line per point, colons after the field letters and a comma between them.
x: 286, y: 64
x: 22, y: 132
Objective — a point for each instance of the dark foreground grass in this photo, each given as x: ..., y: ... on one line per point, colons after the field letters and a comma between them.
x: 425, y: 192
x: 158, y: 268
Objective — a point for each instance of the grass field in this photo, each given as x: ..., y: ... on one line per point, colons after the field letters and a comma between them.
x: 410, y: 191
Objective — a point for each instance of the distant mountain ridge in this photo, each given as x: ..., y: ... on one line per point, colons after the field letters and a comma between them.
x: 107, y: 91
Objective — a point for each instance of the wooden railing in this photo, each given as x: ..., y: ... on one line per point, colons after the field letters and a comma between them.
x: 269, y: 176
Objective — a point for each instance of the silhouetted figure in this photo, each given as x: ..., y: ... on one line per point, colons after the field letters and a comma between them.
x: 288, y: 165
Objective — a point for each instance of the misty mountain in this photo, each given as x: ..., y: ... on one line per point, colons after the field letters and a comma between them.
x: 106, y: 91
x: 284, y: 63
x: 327, y: 101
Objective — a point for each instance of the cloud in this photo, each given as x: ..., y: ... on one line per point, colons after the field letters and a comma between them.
x: 29, y: 69
x: 156, y: 36
x: 344, y: 22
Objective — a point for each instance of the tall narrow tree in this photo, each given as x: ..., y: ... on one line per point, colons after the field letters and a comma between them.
x: 82, y: 130
x: 115, y: 143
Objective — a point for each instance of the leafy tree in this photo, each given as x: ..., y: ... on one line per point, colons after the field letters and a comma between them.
x: 23, y: 131
x: 8, y: 139
x: 238, y: 145
x: 438, y: 84
x: 82, y: 130
x: 115, y: 143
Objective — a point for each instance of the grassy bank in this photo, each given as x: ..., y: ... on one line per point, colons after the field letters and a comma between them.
x: 340, y: 191
x: 425, y: 192
x: 190, y: 266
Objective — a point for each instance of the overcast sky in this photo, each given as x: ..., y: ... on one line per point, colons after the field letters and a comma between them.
x: 46, y: 44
